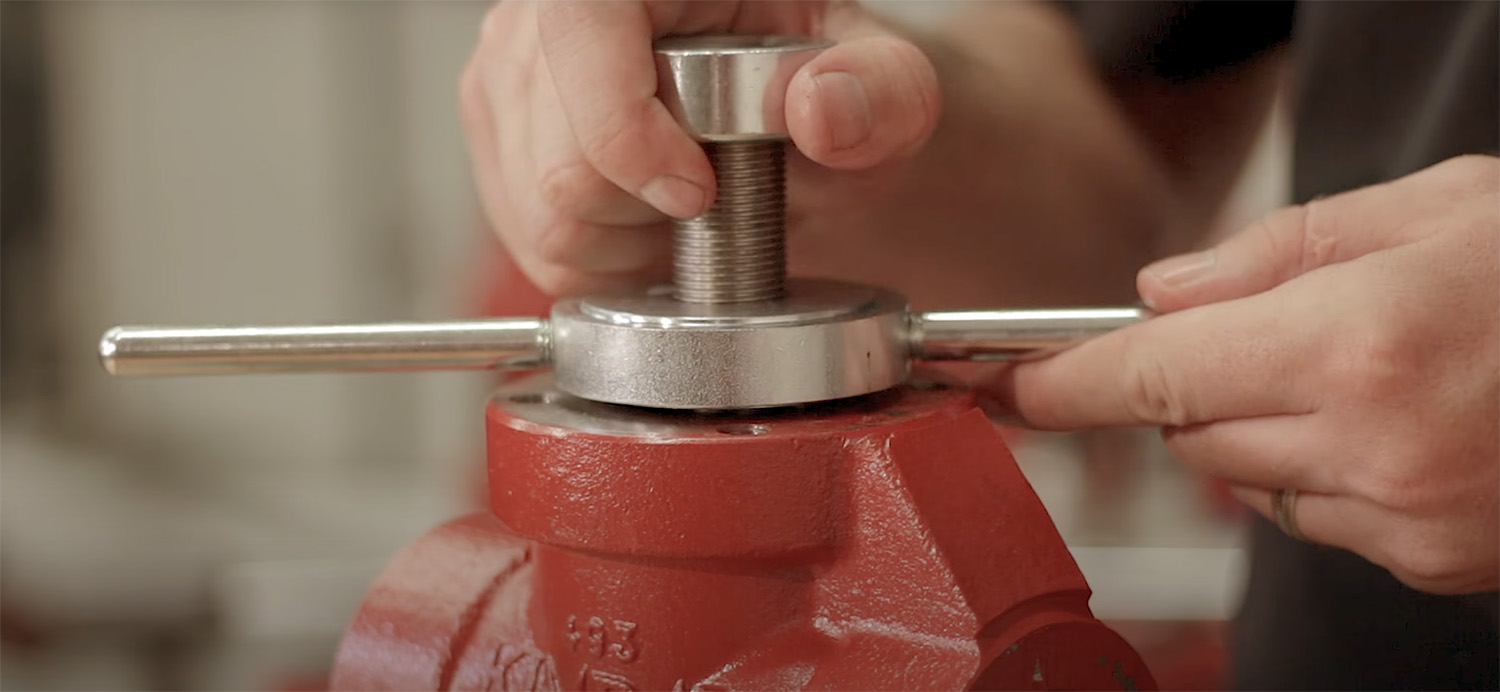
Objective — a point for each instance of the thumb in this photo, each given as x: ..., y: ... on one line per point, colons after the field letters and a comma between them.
x: 871, y: 98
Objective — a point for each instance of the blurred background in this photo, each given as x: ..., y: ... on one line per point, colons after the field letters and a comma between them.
x: 260, y: 162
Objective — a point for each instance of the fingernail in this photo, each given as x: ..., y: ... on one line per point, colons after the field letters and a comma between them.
x: 1184, y: 269
x: 850, y: 121
x: 675, y: 196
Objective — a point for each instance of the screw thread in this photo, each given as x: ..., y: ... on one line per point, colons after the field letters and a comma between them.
x: 736, y: 251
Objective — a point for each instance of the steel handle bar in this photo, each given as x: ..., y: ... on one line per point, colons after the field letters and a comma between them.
x: 522, y: 343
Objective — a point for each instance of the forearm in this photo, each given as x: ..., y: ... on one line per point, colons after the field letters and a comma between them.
x: 1049, y: 163
x: 1135, y: 155
x: 1041, y: 184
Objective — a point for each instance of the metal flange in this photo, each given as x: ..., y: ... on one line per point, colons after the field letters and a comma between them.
x: 825, y: 340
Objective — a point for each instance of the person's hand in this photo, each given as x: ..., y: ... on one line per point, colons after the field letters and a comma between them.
x: 1348, y: 349
x: 579, y: 166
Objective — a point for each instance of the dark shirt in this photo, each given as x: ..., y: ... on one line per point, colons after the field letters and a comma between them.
x: 1381, y: 89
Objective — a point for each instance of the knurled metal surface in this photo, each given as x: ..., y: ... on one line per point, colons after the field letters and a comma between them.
x: 736, y: 251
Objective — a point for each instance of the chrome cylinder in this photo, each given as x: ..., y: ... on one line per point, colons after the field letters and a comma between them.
x: 471, y: 345
x: 1010, y: 334
x: 736, y: 251
x: 827, y: 340
x: 728, y: 88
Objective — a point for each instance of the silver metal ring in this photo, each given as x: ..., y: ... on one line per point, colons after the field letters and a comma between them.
x: 731, y: 88
x: 825, y: 340
x: 1284, y: 512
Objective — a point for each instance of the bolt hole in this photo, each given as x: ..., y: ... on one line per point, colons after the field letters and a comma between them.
x: 533, y: 398
x: 752, y: 429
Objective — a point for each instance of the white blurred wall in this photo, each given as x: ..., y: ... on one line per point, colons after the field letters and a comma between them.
x: 261, y: 162
x: 239, y: 162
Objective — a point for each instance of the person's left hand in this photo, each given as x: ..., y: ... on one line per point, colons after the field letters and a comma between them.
x: 1348, y: 349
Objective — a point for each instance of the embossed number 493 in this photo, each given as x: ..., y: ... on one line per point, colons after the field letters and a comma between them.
x: 617, y: 641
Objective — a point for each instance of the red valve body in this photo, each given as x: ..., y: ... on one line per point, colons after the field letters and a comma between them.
x: 885, y: 543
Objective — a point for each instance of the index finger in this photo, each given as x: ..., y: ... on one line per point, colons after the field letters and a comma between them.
x: 1235, y: 359
x: 601, y: 61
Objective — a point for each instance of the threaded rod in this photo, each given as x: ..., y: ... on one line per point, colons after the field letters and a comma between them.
x: 736, y: 251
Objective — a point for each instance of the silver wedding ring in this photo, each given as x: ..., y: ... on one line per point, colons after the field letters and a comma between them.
x: 1284, y: 512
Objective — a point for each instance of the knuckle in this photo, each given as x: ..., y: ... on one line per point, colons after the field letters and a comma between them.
x: 1481, y: 168
x: 1379, y: 367
x: 551, y: 279
x: 1268, y: 227
x: 1320, y: 241
x: 1391, y: 483
x: 1151, y: 393
x: 568, y: 187
x: 1425, y: 563
x: 611, y: 141
x: 496, y: 23
x: 554, y: 18
x: 1280, y: 233
x: 1292, y: 217
x: 1406, y: 472
x: 558, y: 242
x: 1458, y: 179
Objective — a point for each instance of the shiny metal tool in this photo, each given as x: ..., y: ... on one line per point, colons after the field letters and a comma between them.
x: 730, y: 332
x: 729, y: 93
x: 750, y: 357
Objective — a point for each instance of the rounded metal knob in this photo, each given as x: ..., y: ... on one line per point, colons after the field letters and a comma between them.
x: 731, y: 88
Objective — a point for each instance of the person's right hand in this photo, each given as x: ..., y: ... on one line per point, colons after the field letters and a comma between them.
x: 1348, y: 348
x: 579, y: 166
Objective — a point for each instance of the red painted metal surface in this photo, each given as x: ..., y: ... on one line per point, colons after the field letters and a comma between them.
x: 886, y: 543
